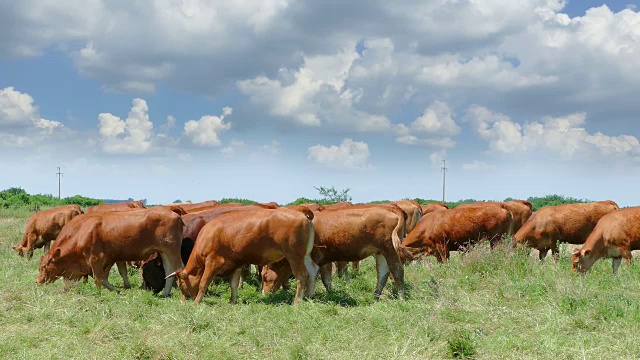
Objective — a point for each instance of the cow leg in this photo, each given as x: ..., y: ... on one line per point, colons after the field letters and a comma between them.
x: 555, y: 253
x: 210, y: 270
x: 171, y: 262
x: 235, y: 282
x: 397, y: 271
x: 325, y: 275
x: 300, y: 270
x: 122, y: 269
x: 312, y: 272
x: 341, y: 269
x: 47, y: 246
x: 100, y: 274
x: 543, y: 253
x: 616, y: 264
x: 355, y: 265
x: 383, y: 274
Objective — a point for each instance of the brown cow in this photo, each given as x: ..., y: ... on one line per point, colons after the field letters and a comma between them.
x: 121, y: 206
x: 43, y: 228
x: 615, y: 235
x: 250, y: 237
x: 521, y: 210
x: 352, y: 234
x: 90, y: 244
x: 341, y: 266
x: 570, y: 223
x: 440, y: 232
x: 433, y: 207
x: 413, y: 210
x: 153, y: 274
x: 178, y: 209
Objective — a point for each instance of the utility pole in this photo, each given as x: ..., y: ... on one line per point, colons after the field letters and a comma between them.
x: 59, y: 176
x: 444, y: 176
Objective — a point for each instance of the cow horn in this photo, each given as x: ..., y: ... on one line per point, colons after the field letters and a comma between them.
x: 170, y: 275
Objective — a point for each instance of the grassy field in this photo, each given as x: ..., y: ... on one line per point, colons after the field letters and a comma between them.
x: 487, y: 305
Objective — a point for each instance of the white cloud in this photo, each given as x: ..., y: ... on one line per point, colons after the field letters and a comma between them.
x: 205, y: 132
x: 20, y: 121
x: 315, y: 94
x: 564, y: 136
x: 349, y: 154
x: 434, y: 128
x: 130, y: 136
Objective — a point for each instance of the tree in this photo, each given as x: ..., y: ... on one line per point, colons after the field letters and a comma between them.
x: 332, y: 195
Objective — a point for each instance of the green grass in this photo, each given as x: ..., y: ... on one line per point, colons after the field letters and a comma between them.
x: 485, y: 305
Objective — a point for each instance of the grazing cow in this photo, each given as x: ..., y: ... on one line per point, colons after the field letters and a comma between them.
x: 259, y: 237
x: 615, y: 235
x: 43, y: 228
x: 440, y: 232
x: 153, y: 274
x: 352, y: 234
x: 433, y: 207
x: 341, y: 266
x: 521, y: 210
x: 90, y: 244
x: 570, y: 223
x: 121, y: 206
x: 413, y: 210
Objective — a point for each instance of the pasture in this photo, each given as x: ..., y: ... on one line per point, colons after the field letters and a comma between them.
x: 501, y: 304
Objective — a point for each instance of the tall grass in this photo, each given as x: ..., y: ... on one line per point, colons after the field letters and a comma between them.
x: 500, y: 304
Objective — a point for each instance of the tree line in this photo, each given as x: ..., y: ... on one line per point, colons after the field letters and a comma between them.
x: 16, y: 197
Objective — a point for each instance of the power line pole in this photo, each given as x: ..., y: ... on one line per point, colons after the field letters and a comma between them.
x: 444, y: 176
x: 59, y: 176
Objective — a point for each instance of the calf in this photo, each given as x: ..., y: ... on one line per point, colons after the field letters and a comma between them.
x: 43, y: 228
x: 92, y: 243
x: 615, y: 236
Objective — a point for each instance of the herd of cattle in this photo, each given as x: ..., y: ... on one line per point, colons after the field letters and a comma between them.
x: 194, y: 243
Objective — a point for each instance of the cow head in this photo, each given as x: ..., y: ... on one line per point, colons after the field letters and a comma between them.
x: 189, y: 284
x: 582, y: 260
x: 48, y: 270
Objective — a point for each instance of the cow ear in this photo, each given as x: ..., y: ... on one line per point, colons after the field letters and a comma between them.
x: 586, y: 253
x: 181, y: 274
x: 55, y: 254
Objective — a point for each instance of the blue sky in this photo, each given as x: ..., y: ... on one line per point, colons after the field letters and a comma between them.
x: 199, y: 100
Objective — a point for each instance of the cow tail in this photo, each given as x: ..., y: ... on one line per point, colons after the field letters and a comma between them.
x: 398, y: 234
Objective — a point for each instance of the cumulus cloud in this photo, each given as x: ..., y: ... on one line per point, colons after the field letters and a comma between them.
x: 349, y: 154
x: 20, y: 121
x: 435, y: 128
x: 315, y: 94
x: 205, y: 132
x: 130, y: 136
x: 564, y: 136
